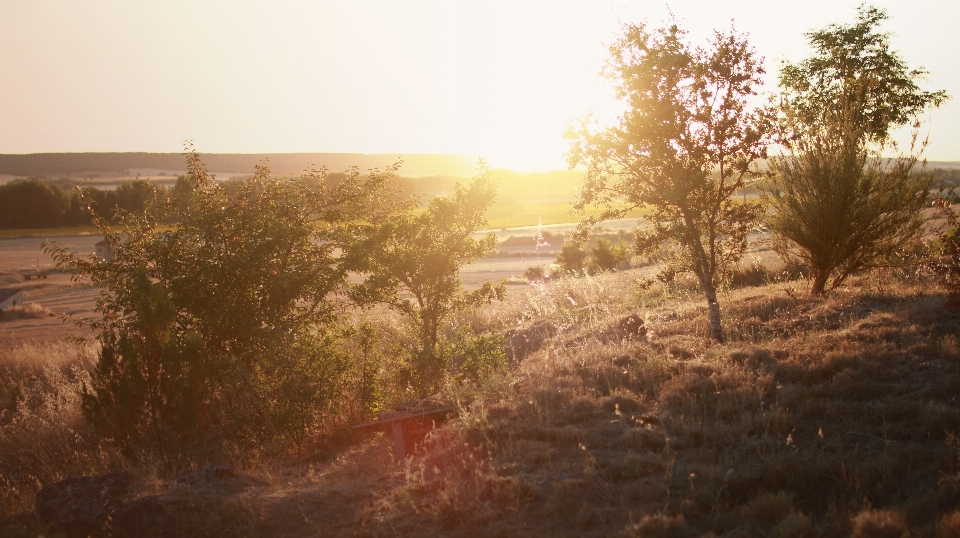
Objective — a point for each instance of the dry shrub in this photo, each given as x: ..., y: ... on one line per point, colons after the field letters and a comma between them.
x: 880, y: 524
x: 29, y: 311
x: 457, y: 485
x: 43, y: 437
x: 767, y: 510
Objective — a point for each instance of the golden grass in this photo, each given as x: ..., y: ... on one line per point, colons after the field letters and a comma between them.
x: 43, y: 437
x: 819, y: 417
x: 832, y: 416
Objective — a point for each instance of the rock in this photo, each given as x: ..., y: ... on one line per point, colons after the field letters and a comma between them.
x: 522, y: 342
x: 84, y: 506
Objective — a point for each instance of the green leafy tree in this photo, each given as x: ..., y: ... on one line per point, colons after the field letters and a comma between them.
x: 571, y: 259
x: 219, y: 331
x: 32, y: 204
x: 607, y: 256
x: 414, y: 266
x: 854, y: 70
x: 839, y: 203
x: 687, y: 141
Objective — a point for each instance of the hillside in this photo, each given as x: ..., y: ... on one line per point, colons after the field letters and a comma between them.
x: 819, y: 417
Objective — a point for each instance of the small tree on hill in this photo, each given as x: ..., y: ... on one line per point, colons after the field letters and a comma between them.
x: 687, y: 142
x: 414, y: 263
x: 840, y: 205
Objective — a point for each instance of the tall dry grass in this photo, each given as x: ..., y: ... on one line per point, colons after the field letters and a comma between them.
x: 43, y: 437
x: 819, y: 417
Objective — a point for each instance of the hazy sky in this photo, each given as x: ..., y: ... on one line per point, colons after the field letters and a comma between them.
x: 501, y: 79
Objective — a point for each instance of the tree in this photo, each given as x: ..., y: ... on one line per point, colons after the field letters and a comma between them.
x: 853, y: 70
x: 839, y: 205
x: 607, y: 256
x: 414, y: 266
x: 571, y: 259
x: 219, y: 328
x: 687, y: 141
x: 32, y: 204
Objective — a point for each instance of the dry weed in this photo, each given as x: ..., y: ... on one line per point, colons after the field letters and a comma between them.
x: 815, y: 410
x: 43, y: 437
x: 29, y: 311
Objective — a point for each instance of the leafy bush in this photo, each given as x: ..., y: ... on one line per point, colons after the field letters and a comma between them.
x: 221, y: 330
x: 571, y: 259
x: 414, y: 262
x: 479, y: 355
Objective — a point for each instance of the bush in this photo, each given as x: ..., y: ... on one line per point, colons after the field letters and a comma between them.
x: 479, y: 356
x: 221, y: 336
x: 29, y: 311
x: 840, y: 204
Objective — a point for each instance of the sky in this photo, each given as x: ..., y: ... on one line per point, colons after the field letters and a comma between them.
x: 497, y: 79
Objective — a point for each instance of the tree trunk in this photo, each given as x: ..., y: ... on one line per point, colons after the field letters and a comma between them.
x: 820, y: 276
x: 716, y: 330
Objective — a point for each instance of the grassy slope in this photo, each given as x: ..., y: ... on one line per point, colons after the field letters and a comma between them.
x: 814, y: 412
x: 818, y: 417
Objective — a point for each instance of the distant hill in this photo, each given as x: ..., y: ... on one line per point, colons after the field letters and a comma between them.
x: 946, y: 165
x: 78, y: 164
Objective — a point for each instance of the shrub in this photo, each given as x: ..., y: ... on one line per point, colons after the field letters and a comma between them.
x: 220, y: 330
x: 414, y: 262
x: 840, y: 205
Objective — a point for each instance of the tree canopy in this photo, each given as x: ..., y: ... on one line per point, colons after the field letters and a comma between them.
x: 855, y: 64
x: 414, y: 262
x: 840, y: 203
x: 688, y: 139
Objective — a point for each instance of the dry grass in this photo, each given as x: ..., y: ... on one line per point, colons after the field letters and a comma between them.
x: 30, y: 311
x: 833, y: 416
x: 819, y: 417
x: 43, y: 437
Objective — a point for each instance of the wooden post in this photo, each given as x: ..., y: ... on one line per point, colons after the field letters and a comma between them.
x: 398, y: 449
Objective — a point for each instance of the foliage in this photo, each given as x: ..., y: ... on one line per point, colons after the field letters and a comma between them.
x: 31, y: 204
x: 607, y: 256
x: 686, y: 142
x: 535, y: 273
x: 414, y: 263
x: 854, y: 64
x: 479, y: 356
x: 41, y: 204
x: 946, y: 260
x: 839, y: 205
x: 220, y: 320
x: 571, y: 259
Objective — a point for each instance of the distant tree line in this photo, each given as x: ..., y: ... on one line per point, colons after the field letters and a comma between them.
x: 53, y: 203
x: 33, y: 203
